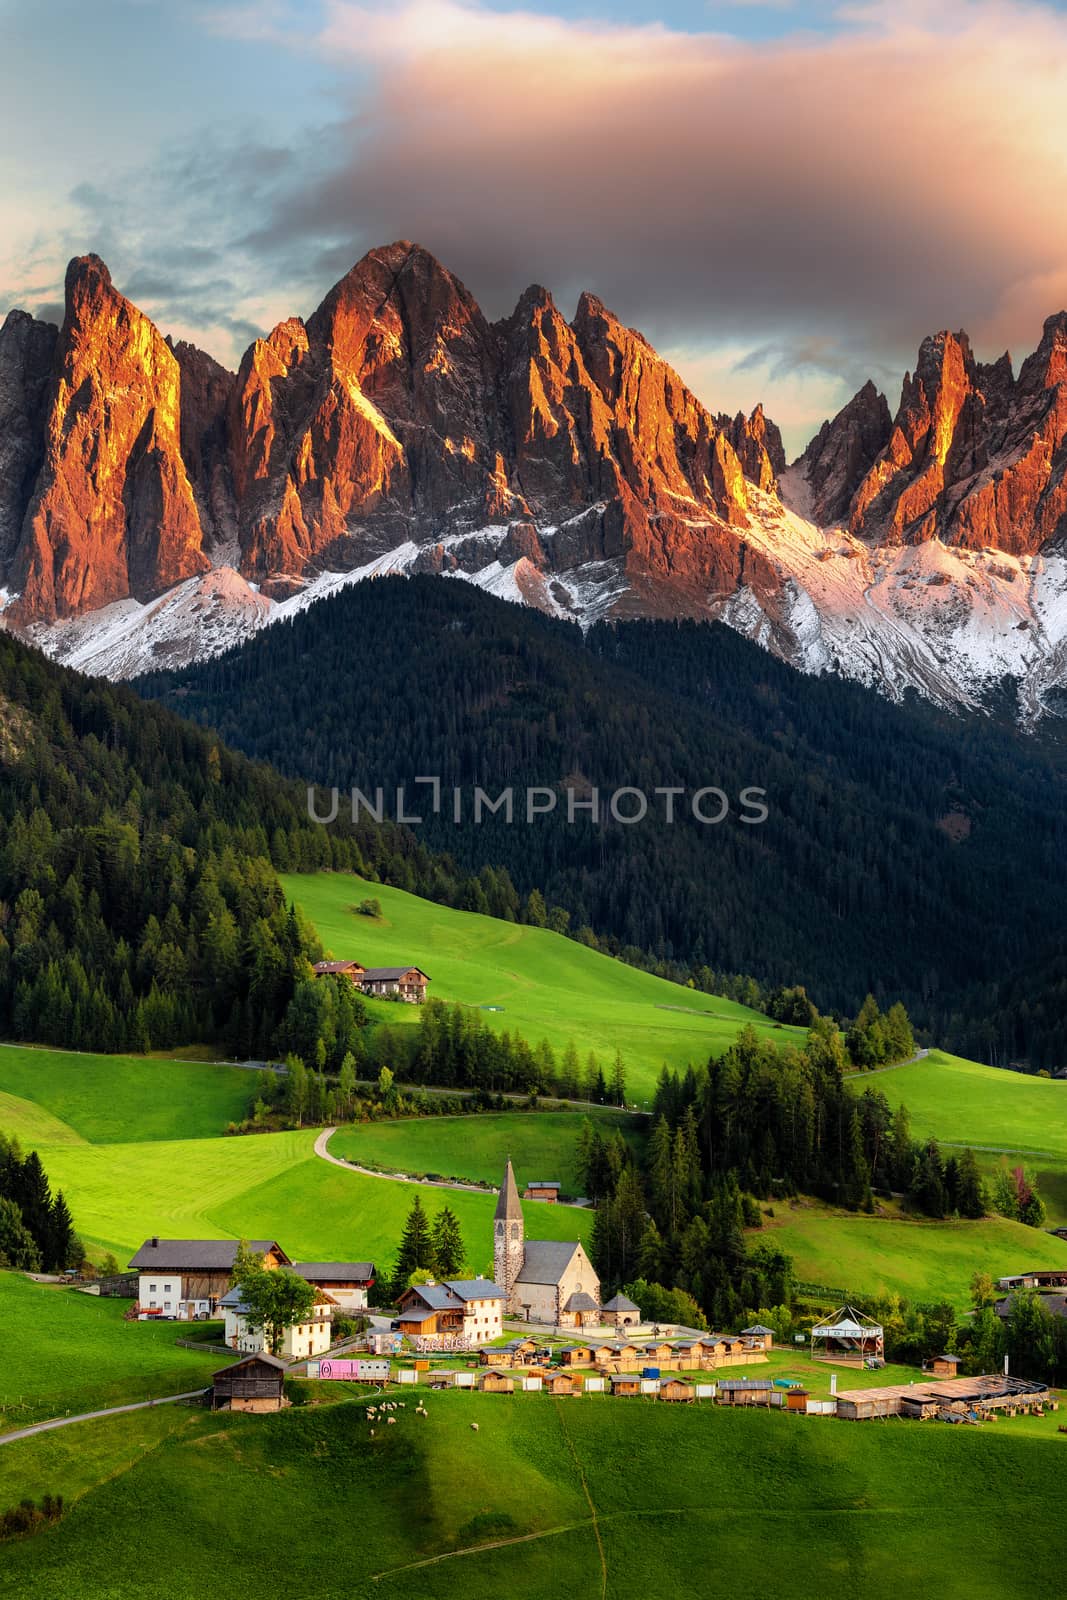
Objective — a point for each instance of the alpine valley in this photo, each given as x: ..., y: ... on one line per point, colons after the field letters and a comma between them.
x: 156, y: 509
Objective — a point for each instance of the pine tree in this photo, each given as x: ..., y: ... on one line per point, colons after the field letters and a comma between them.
x: 416, y: 1247
x: 449, y: 1254
x: 60, y: 1239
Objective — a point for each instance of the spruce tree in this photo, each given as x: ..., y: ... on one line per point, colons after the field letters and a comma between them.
x: 449, y: 1254
x: 416, y: 1247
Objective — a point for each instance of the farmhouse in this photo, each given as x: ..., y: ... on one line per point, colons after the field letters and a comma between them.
x: 339, y: 969
x: 301, y: 1340
x: 186, y: 1278
x: 1054, y: 1304
x: 348, y: 1283
x: 255, y: 1384
x: 405, y: 983
x: 457, y: 1314
x: 543, y: 1280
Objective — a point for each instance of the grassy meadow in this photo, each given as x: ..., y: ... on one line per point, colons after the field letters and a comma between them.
x: 921, y: 1260
x: 68, y: 1351
x: 114, y: 1099
x: 545, y: 1498
x: 545, y: 986
x: 476, y: 1147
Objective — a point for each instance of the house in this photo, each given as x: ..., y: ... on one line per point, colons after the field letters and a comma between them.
x: 300, y: 1341
x: 544, y: 1280
x: 620, y: 1312
x: 676, y: 1389
x: 254, y: 1384
x: 348, y: 1283
x: 339, y: 969
x: 406, y: 983
x: 758, y: 1337
x: 496, y: 1383
x: 745, y: 1391
x: 1054, y: 1304
x: 460, y: 1313
x: 542, y: 1189
x: 185, y: 1279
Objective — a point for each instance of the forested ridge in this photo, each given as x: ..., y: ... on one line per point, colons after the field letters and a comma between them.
x: 907, y: 853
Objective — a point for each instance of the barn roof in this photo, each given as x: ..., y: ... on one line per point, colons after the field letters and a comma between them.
x: 327, y: 967
x: 337, y: 1271
x: 260, y: 1359
x: 546, y: 1260
x: 385, y: 974
x: 197, y: 1255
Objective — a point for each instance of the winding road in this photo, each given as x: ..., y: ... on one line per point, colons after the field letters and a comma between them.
x: 327, y: 1134
x: 91, y: 1416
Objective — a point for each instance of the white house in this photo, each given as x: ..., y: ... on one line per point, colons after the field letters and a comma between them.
x: 461, y: 1313
x: 302, y: 1340
x: 184, y: 1279
x: 347, y: 1282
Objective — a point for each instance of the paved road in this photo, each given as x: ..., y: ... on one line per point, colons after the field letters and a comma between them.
x: 874, y: 1072
x: 90, y: 1416
x: 327, y: 1134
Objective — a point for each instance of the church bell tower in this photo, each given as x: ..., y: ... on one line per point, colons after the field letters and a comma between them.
x: 509, y: 1242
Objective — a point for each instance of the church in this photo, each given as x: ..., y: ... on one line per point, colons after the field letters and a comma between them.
x: 543, y: 1280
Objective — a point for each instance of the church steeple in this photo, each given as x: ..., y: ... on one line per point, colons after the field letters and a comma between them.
x: 509, y: 1245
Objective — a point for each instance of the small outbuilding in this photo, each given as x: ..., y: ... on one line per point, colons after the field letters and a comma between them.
x: 255, y: 1384
x: 758, y: 1337
x: 493, y: 1382
x: 745, y: 1391
x: 561, y: 1383
x: 577, y: 1355
x: 625, y: 1383
x: 942, y: 1366
x: 676, y: 1389
x: 542, y: 1189
x: 620, y: 1312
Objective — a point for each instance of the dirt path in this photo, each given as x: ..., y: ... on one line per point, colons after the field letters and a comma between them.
x: 327, y: 1134
x: 876, y: 1072
x: 90, y: 1416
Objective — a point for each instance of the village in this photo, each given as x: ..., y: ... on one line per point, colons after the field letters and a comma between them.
x: 538, y: 1327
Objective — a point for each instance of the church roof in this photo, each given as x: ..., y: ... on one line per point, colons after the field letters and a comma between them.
x: 508, y: 1207
x: 619, y: 1302
x: 546, y: 1260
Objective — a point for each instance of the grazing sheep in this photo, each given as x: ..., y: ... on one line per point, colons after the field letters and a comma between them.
x: 391, y: 1422
x: 474, y: 1427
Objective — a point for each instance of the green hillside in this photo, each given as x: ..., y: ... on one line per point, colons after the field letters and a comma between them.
x: 477, y: 1147
x: 270, y: 1186
x: 113, y: 1099
x: 1002, y: 1115
x: 593, y: 1496
x: 114, y: 1362
x: 545, y: 986
x: 917, y: 1259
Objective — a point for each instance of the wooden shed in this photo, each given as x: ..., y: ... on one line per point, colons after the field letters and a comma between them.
x: 492, y: 1382
x: 796, y: 1400
x: 658, y: 1351
x: 942, y: 1366
x: 577, y: 1355
x: 676, y: 1389
x: 562, y: 1383
x: 745, y: 1392
x: 254, y: 1384
x: 625, y: 1383
x: 758, y: 1337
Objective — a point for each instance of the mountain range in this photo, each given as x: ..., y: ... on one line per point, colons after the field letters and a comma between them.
x: 156, y: 508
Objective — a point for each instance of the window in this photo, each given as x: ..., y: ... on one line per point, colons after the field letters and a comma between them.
x: 152, y: 1288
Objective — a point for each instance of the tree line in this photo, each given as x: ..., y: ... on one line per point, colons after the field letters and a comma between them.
x: 36, y: 1228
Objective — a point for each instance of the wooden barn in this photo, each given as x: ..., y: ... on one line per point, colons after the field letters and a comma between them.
x: 493, y: 1382
x: 942, y: 1366
x: 339, y: 969
x: 562, y: 1383
x: 542, y: 1189
x: 254, y: 1384
x: 676, y: 1389
x: 745, y: 1392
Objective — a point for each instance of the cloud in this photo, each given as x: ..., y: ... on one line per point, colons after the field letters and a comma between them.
x: 785, y: 215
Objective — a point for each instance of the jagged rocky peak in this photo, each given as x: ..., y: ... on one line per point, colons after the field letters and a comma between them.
x: 974, y: 458
x: 206, y: 394
x: 842, y: 453
x: 27, y: 349
x: 757, y: 443
x: 113, y: 512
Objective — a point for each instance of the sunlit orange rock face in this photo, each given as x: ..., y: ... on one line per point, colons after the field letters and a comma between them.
x: 974, y: 457
x: 113, y: 513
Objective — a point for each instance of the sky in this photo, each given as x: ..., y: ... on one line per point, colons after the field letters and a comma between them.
x: 784, y: 196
